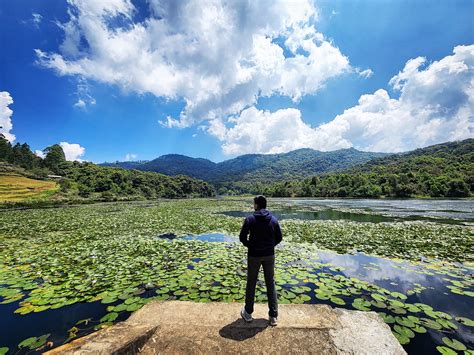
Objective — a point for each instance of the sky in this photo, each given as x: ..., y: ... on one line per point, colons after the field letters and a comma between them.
x: 135, y: 79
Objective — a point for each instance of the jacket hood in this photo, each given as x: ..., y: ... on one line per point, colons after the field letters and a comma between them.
x: 263, y: 214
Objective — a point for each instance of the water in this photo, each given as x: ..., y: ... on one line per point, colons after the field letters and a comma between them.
x: 290, y: 213
x: 370, y: 210
x: 449, y: 209
x: 389, y: 274
x: 401, y: 277
x: 57, y: 322
x: 206, y: 237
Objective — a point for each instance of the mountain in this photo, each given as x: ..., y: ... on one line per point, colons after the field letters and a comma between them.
x: 129, y: 165
x: 176, y: 164
x: 441, y: 170
x: 256, y: 167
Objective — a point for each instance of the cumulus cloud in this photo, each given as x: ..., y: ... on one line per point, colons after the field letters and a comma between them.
x: 73, y: 151
x: 6, y: 115
x: 40, y: 153
x: 130, y: 157
x: 436, y: 104
x: 219, y: 57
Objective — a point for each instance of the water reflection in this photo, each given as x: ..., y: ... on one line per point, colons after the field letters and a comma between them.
x: 206, y: 237
x: 449, y: 209
x: 353, y: 216
x: 289, y: 213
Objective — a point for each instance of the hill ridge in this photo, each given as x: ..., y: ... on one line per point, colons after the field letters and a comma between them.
x: 298, y: 163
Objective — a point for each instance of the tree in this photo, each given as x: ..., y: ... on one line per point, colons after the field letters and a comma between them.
x: 458, y: 188
x: 55, y: 158
x: 5, y: 149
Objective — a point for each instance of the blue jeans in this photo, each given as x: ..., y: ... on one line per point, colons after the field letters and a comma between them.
x: 253, y: 268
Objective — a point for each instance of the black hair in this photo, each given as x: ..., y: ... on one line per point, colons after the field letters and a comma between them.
x: 260, y: 201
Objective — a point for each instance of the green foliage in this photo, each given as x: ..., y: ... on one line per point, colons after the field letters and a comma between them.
x: 233, y: 176
x: 55, y: 159
x: 19, y: 155
x: 90, y: 181
x: 443, y: 170
x: 109, y: 184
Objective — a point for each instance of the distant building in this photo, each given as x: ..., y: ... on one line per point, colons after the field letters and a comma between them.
x: 54, y: 176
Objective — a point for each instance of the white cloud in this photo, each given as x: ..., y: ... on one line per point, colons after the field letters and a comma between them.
x: 367, y: 73
x: 73, y: 151
x: 436, y: 104
x: 217, y: 56
x: 84, y: 97
x: 80, y: 103
x: 257, y: 131
x: 6, y: 115
x: 34, y: 21
x: 220, y: 57
x: 130, y: 157
x: 37, y: 18
x: 39, y: 153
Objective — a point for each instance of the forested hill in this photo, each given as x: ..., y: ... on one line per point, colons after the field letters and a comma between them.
x: 256, y: 167
x: 84, y: 180
x: 442, y: 170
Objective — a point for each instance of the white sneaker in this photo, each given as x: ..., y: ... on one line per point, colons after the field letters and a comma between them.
x: 247, y: 317
x: 273, y: 321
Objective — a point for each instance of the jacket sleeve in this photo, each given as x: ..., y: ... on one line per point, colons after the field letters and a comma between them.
x: 244, y: 233
x: 278, y: 235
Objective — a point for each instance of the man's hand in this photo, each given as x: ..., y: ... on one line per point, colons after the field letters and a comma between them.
x: 244, y: 231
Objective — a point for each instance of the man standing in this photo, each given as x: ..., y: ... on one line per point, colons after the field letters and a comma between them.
x: 265, y: 234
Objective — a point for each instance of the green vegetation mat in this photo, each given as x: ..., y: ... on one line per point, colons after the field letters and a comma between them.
x: 111, y: 253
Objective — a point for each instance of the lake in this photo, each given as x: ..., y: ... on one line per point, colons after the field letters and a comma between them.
x: 94, y: 265
x: 375, y: 211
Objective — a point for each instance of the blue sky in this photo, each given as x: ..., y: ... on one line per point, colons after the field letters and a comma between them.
x: 115, y: 104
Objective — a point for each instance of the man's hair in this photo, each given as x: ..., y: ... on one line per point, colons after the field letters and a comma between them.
x: 260, y: 201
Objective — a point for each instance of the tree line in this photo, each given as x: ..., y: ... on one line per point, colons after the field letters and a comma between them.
x: 443, y: 170
x: 90, y: 181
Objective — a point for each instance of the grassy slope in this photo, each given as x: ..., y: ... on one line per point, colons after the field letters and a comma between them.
x: 14, y: 188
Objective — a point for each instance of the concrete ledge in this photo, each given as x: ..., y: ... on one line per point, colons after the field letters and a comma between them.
x: 184, y: 327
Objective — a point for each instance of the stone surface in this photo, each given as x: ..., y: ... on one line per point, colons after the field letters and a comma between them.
x: 171, y: 327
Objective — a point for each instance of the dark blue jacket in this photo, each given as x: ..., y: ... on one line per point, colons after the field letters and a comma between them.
x: 265, y: 233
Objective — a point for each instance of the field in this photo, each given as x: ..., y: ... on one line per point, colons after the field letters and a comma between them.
x: 15, y: 188
x: 65, y: 272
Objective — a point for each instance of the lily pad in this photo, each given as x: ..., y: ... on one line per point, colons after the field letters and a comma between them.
x: 33, y: 343
x: 404, y: 331
x: 398, y: 295
x: 402, y: 339
x: 454, y: 344
x: 337, y: 300
x: 109, y: 317
x: 445, y: 350
x: 465, y: 321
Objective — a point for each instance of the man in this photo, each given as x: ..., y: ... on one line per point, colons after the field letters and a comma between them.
x: 265, y: 234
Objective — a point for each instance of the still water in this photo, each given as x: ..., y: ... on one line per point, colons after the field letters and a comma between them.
x: 395, y: 276
x: 369, y: 210
x: 452, y: 209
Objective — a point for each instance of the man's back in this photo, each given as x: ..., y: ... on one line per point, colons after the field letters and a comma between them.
x: 265, y: 233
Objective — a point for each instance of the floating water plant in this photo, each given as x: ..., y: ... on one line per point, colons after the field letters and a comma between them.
x: 86, y: 255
